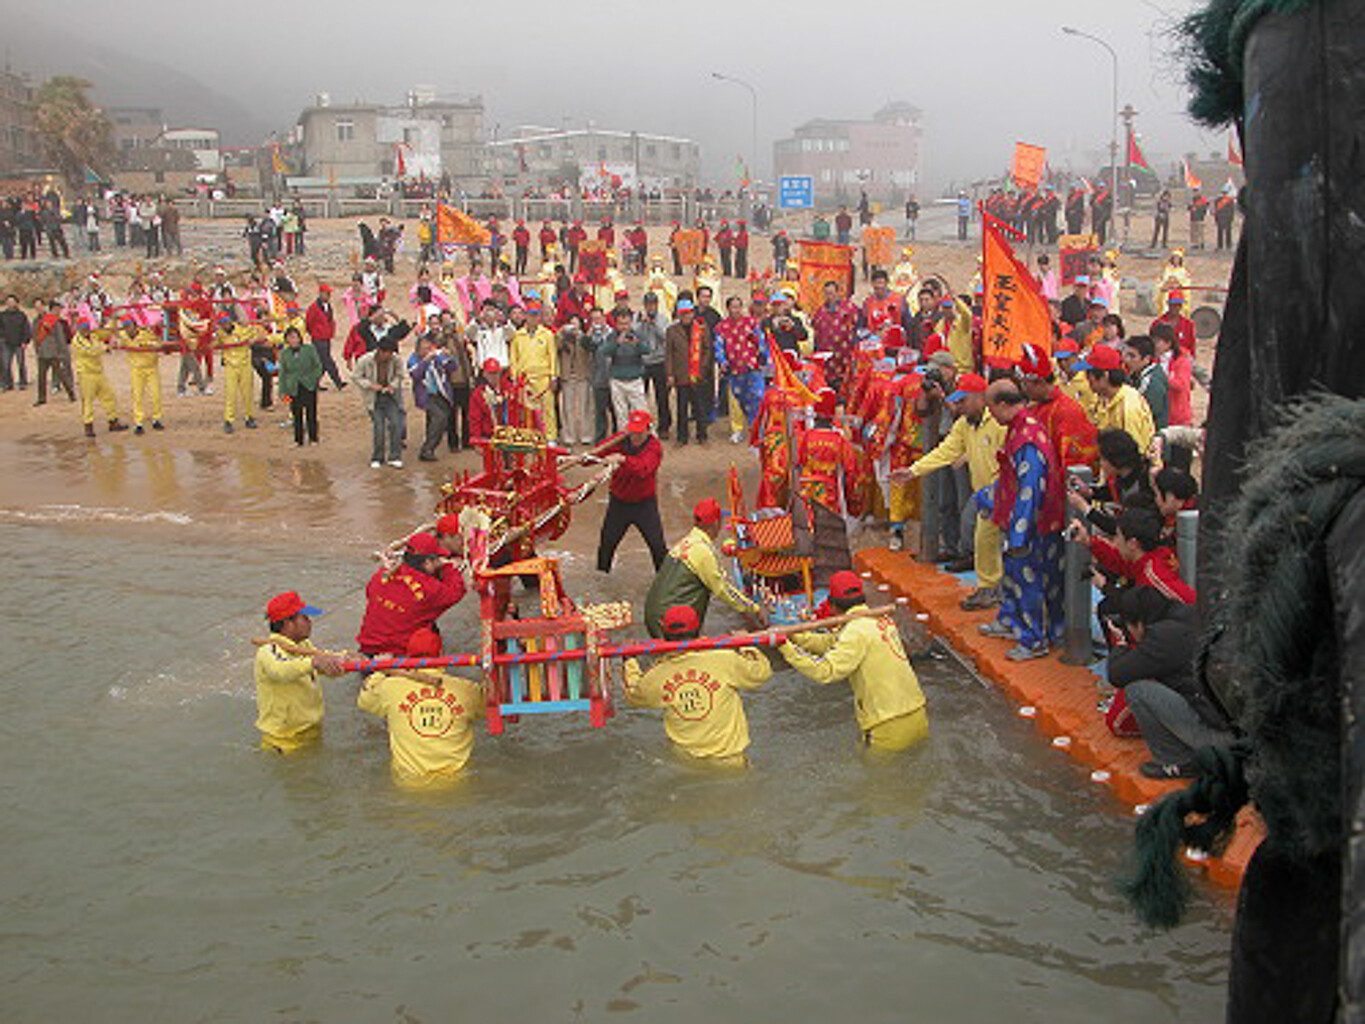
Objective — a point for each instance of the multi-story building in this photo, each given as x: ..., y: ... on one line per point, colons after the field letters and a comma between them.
x: 427, y: 136
x: 881, y: 156
x: 135, y: 128
x: 19, y: 146
x: 586, y: 156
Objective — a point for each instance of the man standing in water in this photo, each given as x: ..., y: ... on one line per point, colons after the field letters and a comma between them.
x: 288, y: 697
x: 691, y: 573
x: 868, y: 652
x: 698, y: 692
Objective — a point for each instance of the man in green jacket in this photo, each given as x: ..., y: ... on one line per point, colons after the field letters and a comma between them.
x: 691, y: 573
x: 300, y: 372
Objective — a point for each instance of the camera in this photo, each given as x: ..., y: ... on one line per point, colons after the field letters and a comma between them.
x: 933, y: 378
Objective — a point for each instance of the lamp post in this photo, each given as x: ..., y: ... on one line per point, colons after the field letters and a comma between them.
x: 1113, y: 122
x: 753, y: 96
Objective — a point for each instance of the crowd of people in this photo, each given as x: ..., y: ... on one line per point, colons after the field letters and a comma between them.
x: 147, y: 223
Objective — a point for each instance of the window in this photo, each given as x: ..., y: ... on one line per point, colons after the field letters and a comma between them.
x: 651, y: 150
x: 447, y: 121
x: 827, y: 175
x: 544, y: 150
x: 345, y: 131
x: 410, y: 136
x: 677, y: 151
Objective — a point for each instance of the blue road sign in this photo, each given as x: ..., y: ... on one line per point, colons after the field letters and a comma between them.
x: 796, y: 192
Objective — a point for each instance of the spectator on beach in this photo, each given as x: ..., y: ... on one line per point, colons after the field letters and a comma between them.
x: 300, y: 373
x: 379, y: 377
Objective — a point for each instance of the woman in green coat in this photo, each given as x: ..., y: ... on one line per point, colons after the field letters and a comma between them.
x: 300, y: 372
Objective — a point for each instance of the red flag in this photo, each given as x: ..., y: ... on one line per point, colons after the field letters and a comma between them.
x: 1234, y: 157
x: 1015, y: 312
x: 785, y: 378
x: 1191, y: 182
x: 1135, y: 155
x: 400, y: 165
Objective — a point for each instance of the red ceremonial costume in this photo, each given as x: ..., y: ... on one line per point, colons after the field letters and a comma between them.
x: 400, y: 602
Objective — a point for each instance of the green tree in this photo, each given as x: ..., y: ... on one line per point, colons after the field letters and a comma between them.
x: 75, y: 132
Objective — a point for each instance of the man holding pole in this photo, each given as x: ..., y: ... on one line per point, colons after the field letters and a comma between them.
x: 691, y: 574
x: 698, y: 691
x: 288, y: 697
x: 413, y: 596
x: 868, y: 652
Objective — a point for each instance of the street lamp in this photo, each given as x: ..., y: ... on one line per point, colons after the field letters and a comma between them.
x: 1114, y: 116
x: 753, y: 95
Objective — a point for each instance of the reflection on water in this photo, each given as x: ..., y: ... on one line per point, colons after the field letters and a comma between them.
x: 161, y: 867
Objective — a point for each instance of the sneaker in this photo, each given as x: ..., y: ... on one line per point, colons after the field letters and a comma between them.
x: 180, y: 392
x: 896, y: 542
x: 90, y: 430
x: 375, y: 464
x: 227, y: 428
x: 396, y: 463
x: 426, y: 457
x: 1157, y: 770
x: 249, y: 423
x: 208, y: 389
x: 736, y: 438
x: 158, y: 425
x: 996, y: 628
x: 1021, y: 653
x: 979, y: 599
x: 138, y: 430
x: 115, y: 426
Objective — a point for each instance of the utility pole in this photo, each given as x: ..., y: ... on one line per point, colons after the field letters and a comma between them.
x: 1127, y: 114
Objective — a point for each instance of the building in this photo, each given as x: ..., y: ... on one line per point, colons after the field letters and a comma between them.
x: 881, y: 156
x: 425, y: 137
x: 134, y: 128
x: 550, y: 157
x: 19, y: 145
x: 202, y: 143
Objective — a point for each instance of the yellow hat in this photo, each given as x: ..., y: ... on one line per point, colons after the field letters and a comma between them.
x: 1178, y: 252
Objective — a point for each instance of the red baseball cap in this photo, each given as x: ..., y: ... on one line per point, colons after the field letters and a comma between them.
x: 968, y: 384
x: 706, y: 511
x: 491, y: 365
x: 1065, y: 345
x: 448, y: 523
x: 1102, y: 357
x: 639, y: 420
x: 324, y: 287
x: 894, y: 336
x: 424, y: 643
x: 621, y: 293
x: 1034, y: 363
x: 826, y: 403
x: 286, y: 606
x: 680, y: 620
x: 845, y: 585
x: 425, y: 544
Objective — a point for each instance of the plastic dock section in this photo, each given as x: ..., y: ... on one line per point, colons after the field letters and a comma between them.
x: 1060, y: 699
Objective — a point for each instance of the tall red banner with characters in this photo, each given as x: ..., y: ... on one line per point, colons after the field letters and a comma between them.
x: 592, y: 260
x: 1015, y: 312
x: 818, y: 262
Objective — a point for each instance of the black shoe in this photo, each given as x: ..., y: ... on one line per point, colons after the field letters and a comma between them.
x: 227, y: 427
x: 158, y: 425
x: 138, y: 430
x: 425, y: 457
x: 41, y: 401
x: 1157, y: 770
x: 115, y: 426
x: 90, y: 430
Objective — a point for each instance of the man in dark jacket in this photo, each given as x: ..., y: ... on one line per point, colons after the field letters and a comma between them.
x: 15, y: 332
x: 1156, y: 674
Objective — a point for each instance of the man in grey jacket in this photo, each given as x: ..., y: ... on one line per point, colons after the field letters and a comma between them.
x: 650, y: 325
x: 378, y: 376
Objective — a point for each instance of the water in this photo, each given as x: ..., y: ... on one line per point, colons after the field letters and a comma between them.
x: 159, y: 867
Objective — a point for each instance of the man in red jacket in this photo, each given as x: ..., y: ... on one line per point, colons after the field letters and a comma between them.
x: 633, y: 492
x: 401, y: 601
x: 725, y: 242
x: 521, y: 244
x: 1073, y: 435
x: 742, y: 250
x: 1182, y: 325
x: 548, y: 237
x: 488, y: 401
x: 321, y: 325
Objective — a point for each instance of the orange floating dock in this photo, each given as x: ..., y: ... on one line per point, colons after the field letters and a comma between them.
x: 1062, y: 697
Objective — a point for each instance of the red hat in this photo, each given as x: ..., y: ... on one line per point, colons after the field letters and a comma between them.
x: 425, y: 544
x: 894, y: 337
x: 286, y: 606
x: 845, y: 585
x: 1034, y: 362
x: 1102, y: 357
x: 491, y: 365
x: 1176, y: 296
x: 424, y: 643
x: 706, y: 511
x: 324, y: 287
x: 680, y: 620
x: 968, y: 384
x: 826, y: 403
x: 621, y: 293
x: 639, y: 420
x: 448, y: 524
x: 1065, y: 345
x: 580, y: 278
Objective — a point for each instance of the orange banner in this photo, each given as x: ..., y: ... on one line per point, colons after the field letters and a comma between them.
x: 1029, y: 164
x: 1015, y: 311
x: 455, y: 227
x: 688, y: 242
x: 818, y: 262
x: 880, y: 245
x: 1073, y: 253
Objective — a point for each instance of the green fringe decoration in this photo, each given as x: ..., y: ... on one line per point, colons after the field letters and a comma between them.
x: 1214, y: 40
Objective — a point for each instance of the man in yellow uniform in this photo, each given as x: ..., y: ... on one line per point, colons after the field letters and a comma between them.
x: 144, y: 370
x: 868, y: 653
x: 237, y: 383
x: 534, y: 353
x: 975, y: 436
x: 691, y: 573
x: 288, y: 697
x: 430, y: 715
x: 1066, y: 356
x: 698, y: 692
x: 1118, y: 405
x: 87, y: 354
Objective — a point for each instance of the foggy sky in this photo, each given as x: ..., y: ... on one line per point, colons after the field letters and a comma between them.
x: 985, y: 72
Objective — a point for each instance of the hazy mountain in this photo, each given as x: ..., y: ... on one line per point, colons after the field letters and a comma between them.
x: 123, y: 79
